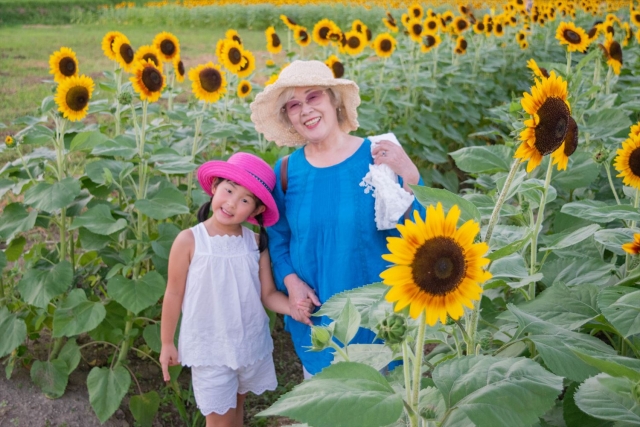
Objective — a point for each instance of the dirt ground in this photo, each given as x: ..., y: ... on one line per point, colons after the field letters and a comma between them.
x: 22, y: 404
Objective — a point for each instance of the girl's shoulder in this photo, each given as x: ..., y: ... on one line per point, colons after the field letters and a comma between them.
x: 185, y: 239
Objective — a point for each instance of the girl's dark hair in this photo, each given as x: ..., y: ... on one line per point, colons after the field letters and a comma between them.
x: 204, y: 211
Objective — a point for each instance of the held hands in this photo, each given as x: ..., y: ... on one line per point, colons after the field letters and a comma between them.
x: 168, y: 357
x: 394, y: 156
x: 302, y: 299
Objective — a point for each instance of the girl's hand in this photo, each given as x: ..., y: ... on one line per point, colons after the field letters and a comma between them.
x: 390, y: 154
x: 299, y: 292
x: 168, y: 357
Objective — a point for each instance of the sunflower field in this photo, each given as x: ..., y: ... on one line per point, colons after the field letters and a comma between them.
x: 513, y: 303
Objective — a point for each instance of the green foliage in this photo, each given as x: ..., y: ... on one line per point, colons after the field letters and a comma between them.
x: 107, y: 387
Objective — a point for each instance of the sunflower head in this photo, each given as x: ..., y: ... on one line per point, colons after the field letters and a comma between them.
x: 429, y: 42
x: 233, y: 35
x: 333, y: 62
x: 232, y: 57
x: 178, y: 67
x: 573, y: 37
x: 460, y: 25
x: 321, y: 31
x: 208, y: 82
x: 437, y: 267
x: 167, y: 46
x: 147, y: 80
x: 633, y: 248
x: 354, y: 42
x: 613, y: 53
x: 301, y: 36
x: 627, y: 161
x: 249, y: 66
x: 271, y: 80
x: 390, y: 23
x: 461, y: 45
x: 124, y: 53
x: 537, y: 71
x: 416, y: 11
x: 63, y: 64
x: 9, y: 141
x: 73, y: 95
x: 148, y: 53
x: 431, y: 25
x: 244, y: 89
x: 416, y: 29
x: 289, y: 22
x: 107, y: 43
x: 384, y: 45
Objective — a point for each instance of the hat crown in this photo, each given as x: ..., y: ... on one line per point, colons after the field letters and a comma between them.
x: 256, y: 167
x: 308, y: 69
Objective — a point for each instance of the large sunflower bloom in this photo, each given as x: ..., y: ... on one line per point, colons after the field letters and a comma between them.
x: 249, y: 66
x: 416, y: 29
x: 633, y: 248
x: 461, y: 45
x: 167, y: 46
x: 336, y: 66
x: 147, y: 80
x: 416, y: 11
x: 321, y: 31
x: 124, y: 53
x: 384, y: 45
x: 107, y: 43
x: 231, y: 56
x: 63, y: 64
x: 355, y: 42
x: 550, y: 123
x: 429, y: 42
x: 574, y: 37
x: 244, y: 89
x: 431, y: 25
x: 73, y: 95
x: 613, y: 53
x: 290, y: 23
x: 274, y: 45
x: 627, y: 162
x: 301, y: 36
x: 437, y: 267
x: 460, y: 25
x: 209, y: 82
x: 148, y: 53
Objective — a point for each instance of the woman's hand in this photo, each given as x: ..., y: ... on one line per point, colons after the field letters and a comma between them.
x: 393, y: 155
x: 301, y: 299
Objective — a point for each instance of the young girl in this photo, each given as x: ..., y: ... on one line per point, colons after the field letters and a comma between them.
x: 220, y: 277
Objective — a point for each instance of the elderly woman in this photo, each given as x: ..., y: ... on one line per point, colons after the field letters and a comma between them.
x: 326, y: 240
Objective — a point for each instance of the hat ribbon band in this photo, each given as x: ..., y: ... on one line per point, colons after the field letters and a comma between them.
x: 260, y: 181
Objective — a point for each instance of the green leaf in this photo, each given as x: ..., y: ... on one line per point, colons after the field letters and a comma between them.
x: 164, y: 204
x: 136, y: 295
x: 92, y: 241
x: 598, y: 211
x: 107, y: 388
x: 614, y: 238
x: 368, y: 300
x: 151, y: 335
x: 483, y: 159
x: 144, y: 407
x: 95, y: 170
x: 347, y: 324
x: 37, y: 287
x: 15, y: 219
x: 509, y: 249
x: 52, y: 197
x: 607, y: 122
x: 573, y: 416
x: 532, y: 189
x: 431, y: 196
x: 430, y: 397
x: 85, y: 141
x: 50, y: 376
x: 609, y: 398
x: 377, y: 356
x: 580, y: 173
x: 494, y: 391
x: 609, y: 366
x: 99, y: 220
x: 572, y: 272
x: 123, y: 146
x: 70, y: 355
x: 620, y: 305
x: 14, y: 250
x: 112, y: 327
x: 14, y: 331
x: 167, y: 233
x: 564, y: 240
x: 342, y: 395
x: 77, y: 315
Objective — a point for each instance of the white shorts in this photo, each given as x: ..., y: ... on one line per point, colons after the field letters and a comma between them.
x: 216, y: 387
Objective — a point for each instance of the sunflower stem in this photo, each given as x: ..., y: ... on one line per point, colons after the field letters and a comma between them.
x: 417, y: 366
x: 607, y: 84
x: 536, y: 230
x: 339, y: 350
x: 143, y: 128
x: 60, y: 160
x: 495, y: 215
x: 607, y: 167
x: 465, y: 336
x: 118, y: 78
x: 194, y: 150
x: 406, y: 370
x: 24, y: 164
x: 568, y: 64
x: 172, y: 78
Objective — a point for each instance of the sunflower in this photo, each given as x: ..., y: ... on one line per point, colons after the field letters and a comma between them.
x: 633, y: 248
x: 460, y: 25
x: 464, y: 10
x: 231, y: 56
x: 167, y: 46
x: 63, y: 64
x: 336, y: 66
x: 244, y: 88
x: 233, y: 35
x: 178, y: 67
x: 249, y: 66
x: 271, y: 80
x: 269, y: 63
x: 219, y: 48
x: 549, y: 124
x: 355, y: 42
x: 560, y: 157
x: 635, y: 17
x: 628, y: 34
x: 384, y: 45
x: 274, y: 45
x: 209, y: 82
x: 301, y: 36
x: 390, y: 23
x: 437, y: 267
x: 9, y: 141
x: 635, y: 130
x: 429, y: 42
x: 537, y: 71
x: 73, y: 95
x: 107, y: 43
x: 521, y: 35
x: 446, y: 17
x: 479, y: 27
x: 574, y: 37
x: 124, y: 53
x: 431, y: 25
x: 461, y: 45
x: 498, y: 29
x: 613, y: 53
x: 321, y: 31
x: 416, y: 30
x: 290, y: 23
x: 416, y: 11
x: 627, y: 162
x: 147, y: 80
x: 148, y: 53
x: 524, y: 44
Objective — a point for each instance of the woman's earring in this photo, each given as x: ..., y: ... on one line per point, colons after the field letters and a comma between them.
x: 291, y: 130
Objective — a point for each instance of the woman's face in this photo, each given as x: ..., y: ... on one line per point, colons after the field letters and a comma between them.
x: 311, y: 113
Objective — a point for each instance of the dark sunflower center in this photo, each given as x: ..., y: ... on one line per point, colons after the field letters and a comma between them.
x: 152, y: 79
x: 210, y: 79
x: 244, y: 88
x: 634, y: 162
x: 416, y: 13
x: 489, y: 27
x: 439, y: 266
x: 520, y: 36
x: 615, y: 51
x: 552, y: 129
x: 77, y: 98
x: 592, y: 32
x: 167, y: 47
x: 353, y: 42
x: 429, y: 40
x: 499, y: 28
x: 461, y: 24
x: 67, y: 66
x: 323, y: 32
x: 385, y: 45
x: 610, y: 29
x: 235, y: 56
x: 246, y: 65
x: 544, y: 72
x: 571, y: 36
x: 236, y: 38
x: 359, y: 28
x: 431, y: 25
x: 481, y: 26
x: 291, y: 21
x: 368, y: 34
x: 275, y: 40
x: 304, y: 36
x: 152, y: 58
x: 126, y: 52
x: 463, y: 44
x: 416, y: 29
x: 571, y: 140
x: 338, y: 69
x: 181, y: 68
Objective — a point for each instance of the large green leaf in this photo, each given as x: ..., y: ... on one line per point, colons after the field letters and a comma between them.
x: 14, y: 331
x: 50, y: 376
x: 77, y: 315
x: 573, y: 416
x: 165, y: 203
x: 581, y: 172
x: 621, y: 306
x: 347, y: 324
x: 112, y: 327
x: 369, y: 300
x: 107, y: 387
x: 14, y: 251
x: 613, y: 239
x: 96, y: 170
x: 136, y: 295
x: 375, y: 355
x: 167, y: 233
x: 144, y: 407
x: 37, y: 287
x: 532, y: 189
x: 598, y: 211
x: 610, y: 365
x: 566, y: 239
x: 431, y: 196
x: 342, y: 395
x: 52, y: 197
x: 99, y: 220
x: 483, y: 159
x: 609, y: 398
x: 15, y: 219
x: 573, y: 272
x: 607, y: 122
x: 151, y: 335
x: 494, y: 391
x: 85, y: 141
x: 70, y: 355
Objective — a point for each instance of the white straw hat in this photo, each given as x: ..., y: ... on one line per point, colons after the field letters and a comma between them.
x: 265, y: 108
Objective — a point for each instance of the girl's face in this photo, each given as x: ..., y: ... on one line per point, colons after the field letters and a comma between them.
x: 232, y: 203
x: 311, y: 113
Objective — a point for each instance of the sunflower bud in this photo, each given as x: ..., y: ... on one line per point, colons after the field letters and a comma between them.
x: 320, y: 338
x: 10, y: 141
x: 392, y: 329
x: 601, y: 155
x: 125, y: 98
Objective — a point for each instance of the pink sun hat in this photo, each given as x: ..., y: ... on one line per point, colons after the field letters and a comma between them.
x: 247, y: 170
